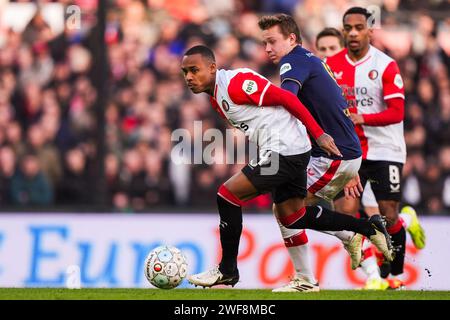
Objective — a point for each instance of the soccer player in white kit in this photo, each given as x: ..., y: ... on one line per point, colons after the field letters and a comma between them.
x: 328, y: 43
x: 269, y: 116
x: 374, y: 89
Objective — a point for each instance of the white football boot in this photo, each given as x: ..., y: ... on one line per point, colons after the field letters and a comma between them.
x: 213, y: 277
x: 298, y: 285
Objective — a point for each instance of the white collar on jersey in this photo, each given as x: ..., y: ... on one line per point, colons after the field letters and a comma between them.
x: 362, y: 60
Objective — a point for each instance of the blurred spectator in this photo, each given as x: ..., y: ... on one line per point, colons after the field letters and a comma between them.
x: 47, y: 98
x: 75, y: 188
x: 133, y: 178
x: 29, y: 186
x: 47, y: 154
x: 7, y: 169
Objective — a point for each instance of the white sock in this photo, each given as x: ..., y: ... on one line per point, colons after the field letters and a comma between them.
x: 370, y: 268
x: 407, y: 219
x: 343, y: 235
x: 302, y: 263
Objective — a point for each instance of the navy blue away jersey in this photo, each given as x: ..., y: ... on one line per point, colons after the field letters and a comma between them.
x: 323, y: 97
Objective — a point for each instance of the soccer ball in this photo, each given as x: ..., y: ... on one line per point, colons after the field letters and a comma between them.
x: 165, y: 267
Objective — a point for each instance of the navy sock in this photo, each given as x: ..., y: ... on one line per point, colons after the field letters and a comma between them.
x: 322, y: 219
x: 399, y: 243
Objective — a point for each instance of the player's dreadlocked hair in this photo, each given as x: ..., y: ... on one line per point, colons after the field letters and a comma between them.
x: 286, y: 23
x: 203, y: 51
x: 357, y: 10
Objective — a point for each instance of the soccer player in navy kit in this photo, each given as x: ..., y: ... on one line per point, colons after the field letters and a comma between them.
x: 311, y: 80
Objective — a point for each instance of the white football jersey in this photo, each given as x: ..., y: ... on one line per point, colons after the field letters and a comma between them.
x: 366, y: 84
x: 239, y: 98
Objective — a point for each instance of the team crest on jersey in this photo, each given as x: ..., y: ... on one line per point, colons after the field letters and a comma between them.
x: 285, y: 68
x: 373, y: 74
x: 225, y: 105
x: 249, y: 86
x: 398, y: 81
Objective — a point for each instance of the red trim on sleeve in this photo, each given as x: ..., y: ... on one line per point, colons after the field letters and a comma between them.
x: 393, y: 114
x: 247, y: 88
x: 392, y: 81
x: 279, y: 97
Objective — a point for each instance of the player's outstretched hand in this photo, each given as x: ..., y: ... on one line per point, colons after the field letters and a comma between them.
x: 326, y: 142
x: 353, y: 188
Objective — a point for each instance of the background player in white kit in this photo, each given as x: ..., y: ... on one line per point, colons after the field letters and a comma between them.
x: 374, y: 89
x: 264, y: 112
x: 329, y: 42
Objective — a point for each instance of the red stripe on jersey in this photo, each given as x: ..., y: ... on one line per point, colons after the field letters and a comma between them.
x: 344, y: 72
x: 298, y: 239
x: 215, y: 105
x: 326, y: 178
x: 363, y: 140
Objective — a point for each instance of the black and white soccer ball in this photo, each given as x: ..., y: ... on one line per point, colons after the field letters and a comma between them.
x: 165, y: 267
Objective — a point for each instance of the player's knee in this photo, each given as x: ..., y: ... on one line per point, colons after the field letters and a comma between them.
x: 346, y: 206
x: 225, y: 194
x: 294, y: 218
x: 296, y: 240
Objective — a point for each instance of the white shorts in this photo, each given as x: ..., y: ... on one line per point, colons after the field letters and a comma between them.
x: 327, y: 177
x: 368, y: 198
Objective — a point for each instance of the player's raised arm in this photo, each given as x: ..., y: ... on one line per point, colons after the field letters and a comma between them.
x: 278, y: 96
x: 251, y: 89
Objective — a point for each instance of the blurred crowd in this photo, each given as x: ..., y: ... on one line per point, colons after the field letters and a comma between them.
x: 48, y: 122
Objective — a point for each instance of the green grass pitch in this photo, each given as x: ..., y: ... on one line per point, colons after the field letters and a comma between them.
x: 212, y: 294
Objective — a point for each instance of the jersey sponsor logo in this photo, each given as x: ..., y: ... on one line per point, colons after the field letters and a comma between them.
x: 373, y: 74
x: 350, y: 93
x: 398, y: 81
x: 355, y: 103
x: 249, y: 86
x: 285, y: 68
x: 395, y: 188
x: 225, y: 105
x: 338, y: 75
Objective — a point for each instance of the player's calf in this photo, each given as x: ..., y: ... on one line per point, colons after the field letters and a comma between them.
x: 230, y: 229
x: 318, y: 218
